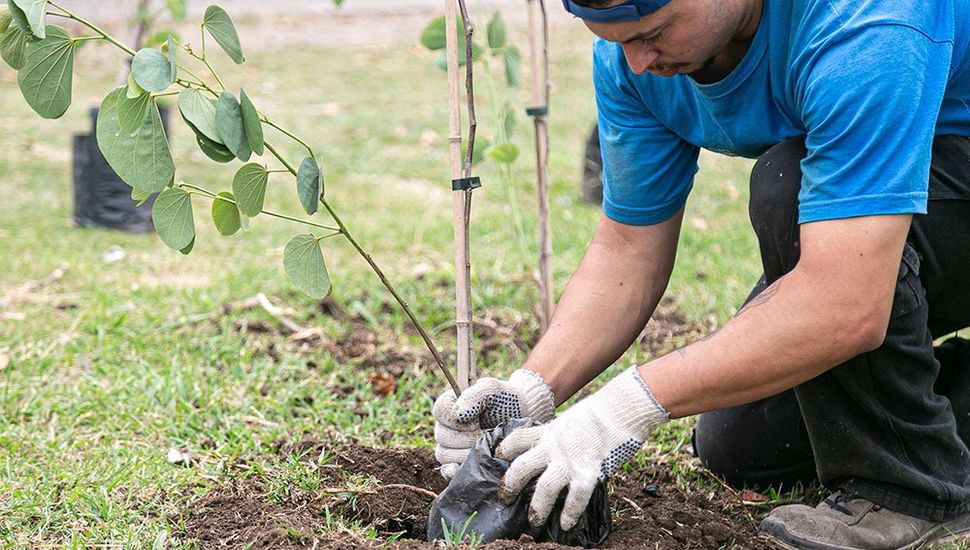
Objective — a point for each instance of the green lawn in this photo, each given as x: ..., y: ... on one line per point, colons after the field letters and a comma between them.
x: 105, y: 376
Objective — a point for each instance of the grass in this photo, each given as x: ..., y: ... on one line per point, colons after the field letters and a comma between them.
x: 102, y: 382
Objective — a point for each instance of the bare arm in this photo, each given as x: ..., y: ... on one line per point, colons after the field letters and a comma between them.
x: 833, y: 306
x: 606, y: 303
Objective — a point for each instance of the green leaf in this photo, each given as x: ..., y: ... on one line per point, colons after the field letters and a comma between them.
x: 5, y: 18
x: 141, y: 159
x: 134, y: 90
x: 251, y: 122
x: 131, y: 112
x: 200, y: 112
x: 433, y: 36
x: 309, y: 183
x: 47, y: 77
x: 303, y: 261
x: 213, y: 150
x: 188, y: 248
x: 249, y: 187
x: 13, y: 47
x: 36, y: 14
x: 177, y: 9
x: 152, y: 70
x: 141, y: 197
x: 496, y: 31
x: 509, y: 121
x: 220, y: 26
x: 232, y: 130
x: 513, y: 67
x: 19, y: 19
x: 172, y: 215
x: 504, y: 153
x: 225, y: 215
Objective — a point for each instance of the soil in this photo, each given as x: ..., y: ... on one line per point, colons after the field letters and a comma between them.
x: 650, y: 511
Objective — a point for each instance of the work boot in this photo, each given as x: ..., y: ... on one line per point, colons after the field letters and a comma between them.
x: 846, y: 522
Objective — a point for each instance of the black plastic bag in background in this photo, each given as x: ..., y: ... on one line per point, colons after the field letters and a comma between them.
x: 101, y: 198
x: 473, y: 493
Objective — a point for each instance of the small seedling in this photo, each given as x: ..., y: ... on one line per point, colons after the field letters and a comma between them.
x: 462, y: 534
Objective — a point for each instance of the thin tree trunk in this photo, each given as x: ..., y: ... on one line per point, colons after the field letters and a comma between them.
x: 539, y: 34
x: 461, y: 209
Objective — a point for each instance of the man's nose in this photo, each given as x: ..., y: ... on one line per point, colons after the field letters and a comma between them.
x: 639, y: 57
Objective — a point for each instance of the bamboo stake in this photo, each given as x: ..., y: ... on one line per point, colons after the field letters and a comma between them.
x: 539, y: 34
x: 461, y: 203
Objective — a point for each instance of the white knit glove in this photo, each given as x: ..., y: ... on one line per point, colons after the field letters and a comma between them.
x: 459, y: 424
x: 579, y: 448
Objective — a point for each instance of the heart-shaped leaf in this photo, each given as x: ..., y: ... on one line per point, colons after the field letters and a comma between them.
x: 496, y: 31
x: 303, y: 261
x: 47, y: 77
x: 221, y: 27
x: 35, y: 12
x: 232, y: 130
x: 142, y: 159
x: 172, y: 215
x: 249, y: 187
x: 504, y: 153
x: 152, y: 70
x: 225, y: 215
x: 200, y: 112
x: 251, y: 122
x: 13, y: 47
x: 131, y: 112
x: 309, y: 182
x: 19, y: 18
x: 433, y: 36
x: 172, y: 52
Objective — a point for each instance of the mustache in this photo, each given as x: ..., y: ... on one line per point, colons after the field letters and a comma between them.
x: 661, y: 67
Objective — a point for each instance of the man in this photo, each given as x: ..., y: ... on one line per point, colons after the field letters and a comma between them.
x: 857, y: 111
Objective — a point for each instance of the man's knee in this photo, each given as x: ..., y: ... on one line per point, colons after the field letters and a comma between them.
x: 775, y: 181
x: 756, y: 445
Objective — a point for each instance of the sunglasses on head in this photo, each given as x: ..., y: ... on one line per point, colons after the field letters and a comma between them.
x: 631, y: 10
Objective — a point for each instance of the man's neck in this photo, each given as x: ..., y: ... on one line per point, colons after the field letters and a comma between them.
x: 722, y: 64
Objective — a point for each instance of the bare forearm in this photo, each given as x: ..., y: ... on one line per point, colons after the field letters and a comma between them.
x: 814, y: 318
x: 605, y: 305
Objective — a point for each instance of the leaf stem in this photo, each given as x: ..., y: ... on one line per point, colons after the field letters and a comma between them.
x: 288, y: 134
x: 68, y: 14
x: 212, y: 195
x: 281, y: 158
x: 404, y: 305
x: 86, y: 38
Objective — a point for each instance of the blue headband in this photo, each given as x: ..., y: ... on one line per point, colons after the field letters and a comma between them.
x: 631, y: 10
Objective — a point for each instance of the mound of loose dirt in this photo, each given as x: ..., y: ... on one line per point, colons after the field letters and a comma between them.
x: 652, y: 512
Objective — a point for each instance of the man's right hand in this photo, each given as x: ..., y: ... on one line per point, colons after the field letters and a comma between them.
x: 459, y: 423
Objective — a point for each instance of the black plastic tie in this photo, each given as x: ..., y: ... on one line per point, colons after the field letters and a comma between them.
x: 537, y: 111
x: 466, y: 184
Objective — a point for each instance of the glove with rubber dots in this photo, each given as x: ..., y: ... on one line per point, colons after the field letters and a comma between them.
x: 581, y: 447
x: 460, y: 423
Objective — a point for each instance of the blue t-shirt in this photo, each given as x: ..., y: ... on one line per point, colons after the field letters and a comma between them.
x: 868, y: 83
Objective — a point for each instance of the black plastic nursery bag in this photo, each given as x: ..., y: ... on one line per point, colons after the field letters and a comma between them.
x: 474, y: 490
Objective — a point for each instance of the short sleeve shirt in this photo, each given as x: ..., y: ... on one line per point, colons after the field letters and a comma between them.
x: 868, y: 84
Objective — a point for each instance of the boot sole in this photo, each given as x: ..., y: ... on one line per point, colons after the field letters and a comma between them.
x: 938, y: 538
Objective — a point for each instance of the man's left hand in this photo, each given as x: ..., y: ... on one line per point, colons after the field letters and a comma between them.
x: 581, y: 447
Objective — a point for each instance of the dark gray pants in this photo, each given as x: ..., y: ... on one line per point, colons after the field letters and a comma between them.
x: 891, y: 425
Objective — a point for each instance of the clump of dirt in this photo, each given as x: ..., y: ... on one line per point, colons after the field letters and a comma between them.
x: 239, y: 515
x: 652, y: 512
